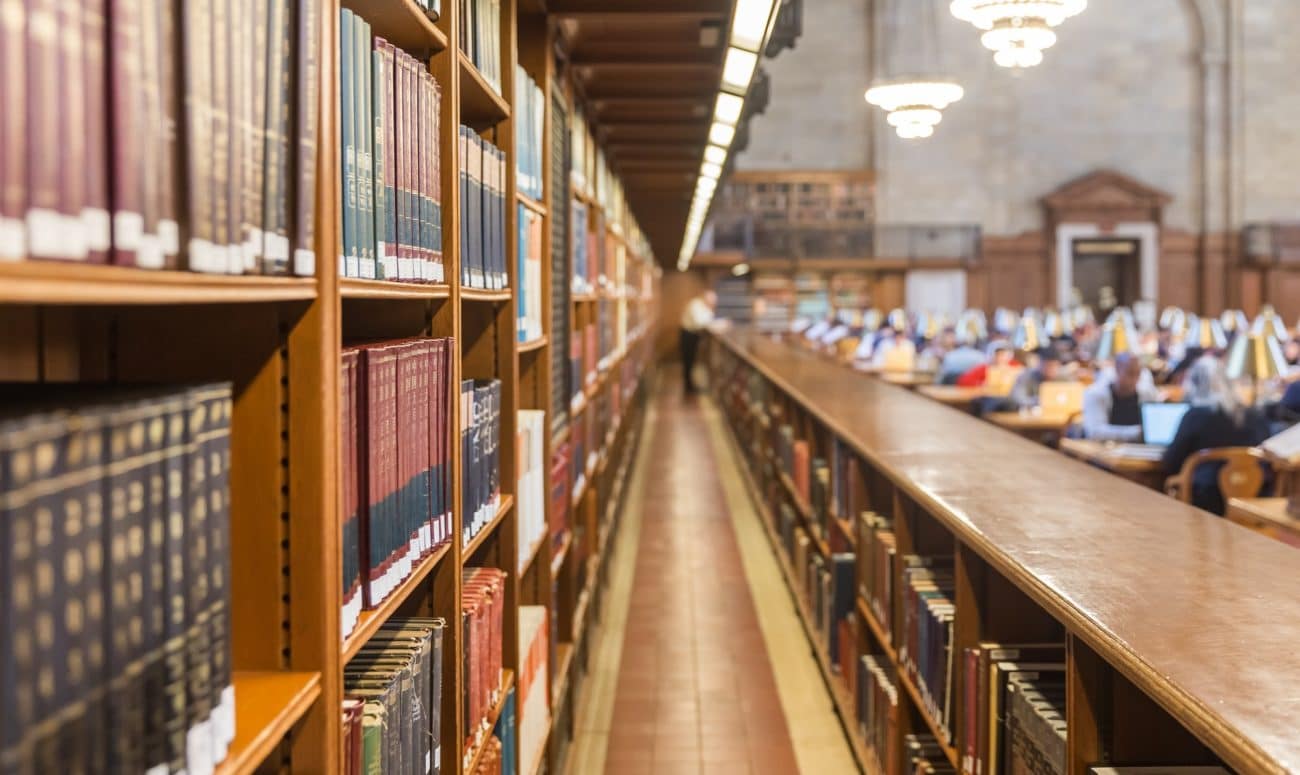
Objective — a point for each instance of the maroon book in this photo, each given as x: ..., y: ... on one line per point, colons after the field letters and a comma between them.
x: 13, y: 146
x: 43, y: 220
x: 200, y: 248
x: 71, y: 118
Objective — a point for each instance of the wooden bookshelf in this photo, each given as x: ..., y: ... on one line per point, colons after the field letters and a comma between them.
x: 279, y: 339
x: 1060, y: 552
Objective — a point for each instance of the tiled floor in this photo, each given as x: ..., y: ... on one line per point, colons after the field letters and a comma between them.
x: 696, y: 692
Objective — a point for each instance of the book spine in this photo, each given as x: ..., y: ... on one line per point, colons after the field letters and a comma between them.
x: 379, y: 77
x: 13, y: 146
x: 408, y: 250
x: 72, y: 120
x: 261, y: 65
x: 364, y: 128
x: 199, y: 754
x: 371, y: 467
x: 223, y: 209
x: 391, y: 204
x: 162, y: 450
x: 435, y: 138
x: 217, y: 449
x: 274, y: 258
x: 307, y: 117
x: 200, y: 247
x: 463, y: 257
x: 171, y: 179
x: 349, y: 266
x: 41, y: 114
x: 429, y: 152
x: 177, y: 463
x: 425, y: 239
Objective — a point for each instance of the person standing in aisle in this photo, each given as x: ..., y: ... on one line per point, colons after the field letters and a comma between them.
x: 697, y: 316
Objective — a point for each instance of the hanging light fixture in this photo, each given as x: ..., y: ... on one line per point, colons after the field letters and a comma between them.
x: 1017, y: 31
x: 1206, y: 333
x: 1119, y: 335
x: 1269, y: 322
x: 916, y: 96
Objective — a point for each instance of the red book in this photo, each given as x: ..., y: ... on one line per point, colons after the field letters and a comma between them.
x: 41, y: 117
x: 72, y: 121
x: 13, y: 146
x: 376, y: 517
x: 351, y: 548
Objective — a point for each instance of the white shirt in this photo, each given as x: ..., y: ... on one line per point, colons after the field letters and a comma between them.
x: 697, y: 316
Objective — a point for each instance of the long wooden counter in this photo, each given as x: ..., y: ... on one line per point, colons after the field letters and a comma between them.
x: 1201, y: 615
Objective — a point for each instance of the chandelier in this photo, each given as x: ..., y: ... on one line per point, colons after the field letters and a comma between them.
x: 914, y: 108
x: 910, y: 89
x: 1017, y: 31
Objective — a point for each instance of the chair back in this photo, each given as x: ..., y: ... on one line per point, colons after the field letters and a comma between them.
x: 1242, y: 475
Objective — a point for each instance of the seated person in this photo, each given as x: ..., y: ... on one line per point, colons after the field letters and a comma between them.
x: 932, y: 355
x: 1000, y: 354
x: 959, y: 361
x: 1216, y: 419
x: 1024, y: 394
x: 893, y: 339
x: 1112, y: 405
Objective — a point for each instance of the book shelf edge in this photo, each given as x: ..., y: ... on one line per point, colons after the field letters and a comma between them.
x: 280, y: 700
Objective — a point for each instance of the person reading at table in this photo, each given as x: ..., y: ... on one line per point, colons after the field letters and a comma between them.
x: 1217, y: 418
x: 1000, y: 356
x: 1024, y: 394
x: 1112, y: 405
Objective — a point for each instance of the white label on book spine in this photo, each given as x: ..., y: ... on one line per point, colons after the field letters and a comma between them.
x: 404, y: 269
x: 304, y: 262
x: 128, y: 227
x: 13, y: 239
x: 228, y: 713
x: 198, y: 251
x: 97, y: 228
x: 44, y: 229
x: 235, y: 259
x: 367, y: 269
x: 353, y: 267
x: 150, y: 253
x: 157, y: 769
x: 198, y: 749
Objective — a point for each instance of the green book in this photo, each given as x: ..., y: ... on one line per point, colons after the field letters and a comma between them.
x: 349, y: 264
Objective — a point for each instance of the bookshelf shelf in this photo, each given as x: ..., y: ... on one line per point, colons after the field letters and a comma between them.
x: 534, y: 345
x: 882, y: 637
x: 372, y: 620
x: 563, y: 664
x: 57, y: 282
x: 354, y: 288
x: 402, y: 23
x: 503, y: 508
x: 533, y: 553
x: 480, y: 295
x: 584, y: 297
x: 530, y: 203
x: 267, y: 705
x: 480, y: 105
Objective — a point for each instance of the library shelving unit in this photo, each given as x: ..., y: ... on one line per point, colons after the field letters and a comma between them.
x: 1175, y: 627
x: 279, y: 339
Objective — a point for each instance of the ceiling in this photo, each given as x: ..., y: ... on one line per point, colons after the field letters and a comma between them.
x: 648, y: 84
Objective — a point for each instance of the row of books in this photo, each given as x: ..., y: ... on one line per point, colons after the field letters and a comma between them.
x: 529, y: 271
x: 561, y: 484
x: 482, y: 212
x: 396, y: 464
x: 392, y: 709
x: 877, y: 549
x: 480, y: 432
x: 991, y: 673
x: 391, y: 166
x: 115, y: 555
x: 160, y: 134
x: 876, y: 709
x: 530, y: 112
x: 826, y: 583
x: 534, y: 709
x: 530, y: 503
x: 925, y: 649
x: 482, y: 606
x: 925, y: 755
x: 480, y: 38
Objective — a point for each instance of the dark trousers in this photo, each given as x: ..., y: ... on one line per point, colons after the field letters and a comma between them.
x: 690, y: 343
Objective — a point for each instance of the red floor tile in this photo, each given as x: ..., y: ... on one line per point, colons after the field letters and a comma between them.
x: 696, y: 692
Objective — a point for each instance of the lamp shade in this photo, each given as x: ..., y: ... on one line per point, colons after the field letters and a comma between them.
x: 971, y: 327
x: 1117, y: 336
x: 1256, y: 356
x: 1055, y: 324
x: 1121, y: 313
x: 1029, y: 335
x: 1234, y: 321
x: 1206, y: 333
x: 1269, y: 322
x: 1081, y: 315
x: 898, y: 319
x: 1005, y: 321
x: 1173, y: 319
x: 871, y: 320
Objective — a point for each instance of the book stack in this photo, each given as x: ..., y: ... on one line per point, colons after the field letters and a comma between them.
x: 561, y: 489
x: 202, y: 122
x: 528, y: 268
x: 926, y: 648
x: 580, y: 244
x: 115, y: 550
x: 877, y: 711
x: 1036, y: 723
x: 480, y: 432
x: 391, y: 187
x: 535, y: 712
x: 530, y: 443
x: 480, y: 38
x: 990, y: 672
x: 392, y: 714
x: 482, y: 212
x: 530, y: 112
x: 482, y: 606
x: 396, y: 464
x: 877, y: 551
x: 925, y: 756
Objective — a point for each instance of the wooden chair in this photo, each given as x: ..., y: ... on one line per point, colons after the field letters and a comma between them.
x: 1242, y: 475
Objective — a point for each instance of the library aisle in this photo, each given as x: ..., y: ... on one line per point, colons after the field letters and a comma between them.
x: 683, y: 668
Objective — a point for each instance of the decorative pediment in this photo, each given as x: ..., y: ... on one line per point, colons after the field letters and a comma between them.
x: 1105, y: 190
